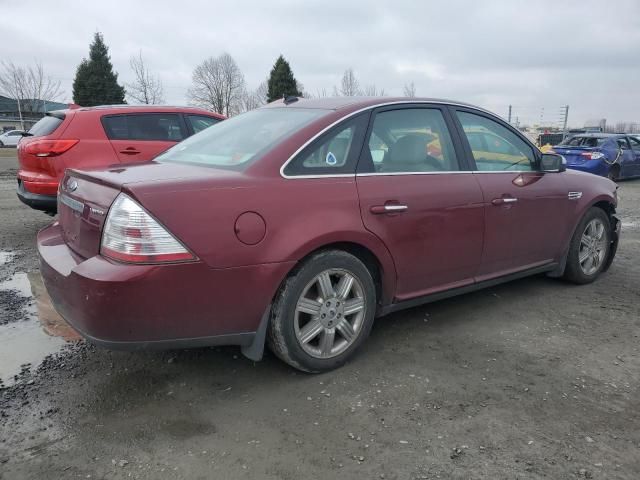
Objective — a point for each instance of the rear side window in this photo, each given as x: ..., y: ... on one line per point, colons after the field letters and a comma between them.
x: 152, y: 126
x: 622, y: 143
x: 46, y: 125
x: 200, y: 122
x: 334, y: 152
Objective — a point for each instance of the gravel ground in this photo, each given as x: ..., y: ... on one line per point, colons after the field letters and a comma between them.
x: 533, y: 379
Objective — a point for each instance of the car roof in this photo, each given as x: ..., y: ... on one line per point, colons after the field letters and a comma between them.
x: 142, y: 109
x: 339, y: 103
x: 599, y: 135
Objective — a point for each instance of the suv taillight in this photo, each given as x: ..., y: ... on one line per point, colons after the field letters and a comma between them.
x: 48, y: 148
x: 132, y: 235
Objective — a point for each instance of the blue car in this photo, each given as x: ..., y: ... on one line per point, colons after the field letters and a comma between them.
x: 616, y: 156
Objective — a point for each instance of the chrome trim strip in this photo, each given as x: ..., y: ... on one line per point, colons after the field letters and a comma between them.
x: 376, y: 174
x: 574, y: 195
x: 509, y: 200
x: 370, y: 107
x: 72, y: 203
x: 506, y: 171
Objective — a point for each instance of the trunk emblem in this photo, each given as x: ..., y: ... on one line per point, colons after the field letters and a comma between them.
x: 72, y: 185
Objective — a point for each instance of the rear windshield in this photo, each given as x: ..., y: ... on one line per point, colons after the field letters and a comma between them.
x: 46, y: 125
x: 236, y: 142
x: 585, y: 141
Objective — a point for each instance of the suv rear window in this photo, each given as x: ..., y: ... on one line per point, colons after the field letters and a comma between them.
x: 46, y: 125
x: 148, y: 126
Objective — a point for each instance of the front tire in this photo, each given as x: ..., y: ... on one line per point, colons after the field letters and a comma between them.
x: 589, y: 247
x: 323, y: 312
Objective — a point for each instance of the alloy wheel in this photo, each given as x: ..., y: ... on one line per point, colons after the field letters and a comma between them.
x: 330, y: 313
x: 593, y: 247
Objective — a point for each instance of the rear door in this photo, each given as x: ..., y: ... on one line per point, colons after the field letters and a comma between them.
x: 139, y: 137
x: 626, y: 159
x: 526, y: 210
x: 635, y: 147
x: 419, y: 197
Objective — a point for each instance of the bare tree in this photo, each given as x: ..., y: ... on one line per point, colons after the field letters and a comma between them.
x: 350, y: 87
x: 250, y: 100
x: 409, y: 90
x: 29, y: 86
x: 372, y: 91
x: 218, y: 84
x: 145, y: 88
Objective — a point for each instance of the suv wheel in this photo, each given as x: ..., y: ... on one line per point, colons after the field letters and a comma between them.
x: 323, y: 312
x: 589, y: 247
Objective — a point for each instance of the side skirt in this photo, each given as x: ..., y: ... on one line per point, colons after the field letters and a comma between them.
x: 434, y: 297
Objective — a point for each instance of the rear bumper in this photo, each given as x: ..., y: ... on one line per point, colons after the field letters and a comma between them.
x: 121, y: 306
x: 597, y: 167
x: 47, y: 203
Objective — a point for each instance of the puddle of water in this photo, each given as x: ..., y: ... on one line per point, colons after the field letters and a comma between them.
x: 6, y: 257
x: 42, y: 332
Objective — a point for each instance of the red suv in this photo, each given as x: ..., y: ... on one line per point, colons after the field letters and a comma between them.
x: 97, y: 137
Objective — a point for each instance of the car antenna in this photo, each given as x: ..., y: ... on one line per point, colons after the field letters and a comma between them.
x: 287, y: 99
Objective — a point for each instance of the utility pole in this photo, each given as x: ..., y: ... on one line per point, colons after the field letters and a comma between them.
x: 566, y: 117
x: 509, y: 113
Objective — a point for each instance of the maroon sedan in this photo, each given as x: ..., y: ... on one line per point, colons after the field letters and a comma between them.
x: 300, y: 222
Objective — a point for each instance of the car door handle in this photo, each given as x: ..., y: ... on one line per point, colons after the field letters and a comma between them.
x: 388, y: 208
x: 130, y: 151
x: 502, y: 201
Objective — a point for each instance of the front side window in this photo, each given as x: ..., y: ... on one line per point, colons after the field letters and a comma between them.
x: 495, y: 147
x: 152, y: 126
x: 411, y: 140
x: 237, y: 142
x: 200, y: 122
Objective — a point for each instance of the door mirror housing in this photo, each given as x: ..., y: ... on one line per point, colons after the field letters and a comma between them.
x: 552, y: 162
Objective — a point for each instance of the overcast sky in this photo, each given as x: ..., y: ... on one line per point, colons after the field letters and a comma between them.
x: 534, y: 55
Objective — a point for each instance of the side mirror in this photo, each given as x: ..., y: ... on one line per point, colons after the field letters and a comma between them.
x: 552, y: 162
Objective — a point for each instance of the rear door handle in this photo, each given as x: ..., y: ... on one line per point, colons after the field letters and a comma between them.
x: 502, y: 201
x: 130, y: 151
x: 388, y: 208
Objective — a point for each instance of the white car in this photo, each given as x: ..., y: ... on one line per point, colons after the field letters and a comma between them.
x: 11, y: 138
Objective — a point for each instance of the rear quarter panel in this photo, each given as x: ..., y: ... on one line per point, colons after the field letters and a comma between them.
x: 300, y: 217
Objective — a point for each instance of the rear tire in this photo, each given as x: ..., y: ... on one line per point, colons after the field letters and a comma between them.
x: 589, y: 248
x: 323, y: 312
x: 614, y: 173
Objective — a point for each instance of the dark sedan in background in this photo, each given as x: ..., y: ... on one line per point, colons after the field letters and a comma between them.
x: 616, y: 156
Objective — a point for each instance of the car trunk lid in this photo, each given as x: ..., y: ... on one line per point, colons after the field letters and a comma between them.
x: 85, y: 196
x: 83, y: 204
x: 574, y: 155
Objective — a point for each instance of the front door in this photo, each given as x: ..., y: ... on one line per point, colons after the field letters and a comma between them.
x: 418, y: 196
x: 526, y: 210
x: 139, y: 137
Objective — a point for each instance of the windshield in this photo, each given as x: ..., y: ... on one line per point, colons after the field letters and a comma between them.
x: 585, y: 141
x: 236, y: 142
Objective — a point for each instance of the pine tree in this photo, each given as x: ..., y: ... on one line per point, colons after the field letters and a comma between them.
x: 96, y: 83
x: 281, y: 81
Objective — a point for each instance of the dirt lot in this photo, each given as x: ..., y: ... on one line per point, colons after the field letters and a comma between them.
x: 533, y: 379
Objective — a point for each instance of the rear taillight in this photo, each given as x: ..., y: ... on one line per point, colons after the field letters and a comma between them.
x: 48, y: 148
x: 132, y: 235
x: 592, y: 155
